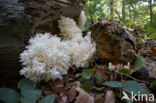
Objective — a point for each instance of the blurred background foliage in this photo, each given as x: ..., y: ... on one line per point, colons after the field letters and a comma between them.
x: 139, y: 14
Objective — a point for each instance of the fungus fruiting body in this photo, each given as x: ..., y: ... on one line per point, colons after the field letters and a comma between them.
x: 48, y: 57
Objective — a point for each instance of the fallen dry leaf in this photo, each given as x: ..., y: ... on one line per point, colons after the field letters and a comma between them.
x: 83, y: 97
x: 62, y: 99
x: 99, y: 89
x: 153, y: 56
x: 71, y: 94
x: 101, y: 100
x: 109, y: 97
x: 108, y: 75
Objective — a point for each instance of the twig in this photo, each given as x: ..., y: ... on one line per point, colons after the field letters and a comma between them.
x: 132, y: 77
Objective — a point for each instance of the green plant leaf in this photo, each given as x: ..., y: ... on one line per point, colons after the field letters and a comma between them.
x: 87, y: 73
x: 153, y: 36
x: 24, y: 100
x: 143, y: 34
x: 9, y: 95
x: 137, y: 63
x: 99, y: 95
x: 114, y: 84
x: 154, y: 83
x: 31, y: 94
x: 125, y: 71
x: 48, y: 99
x: 133, y: 86
x: 87, y: 86
x: 151, y: 30
x: 140, y: 42
x: 99, y: 79
x: 26, y: 84
x: 128, y: 101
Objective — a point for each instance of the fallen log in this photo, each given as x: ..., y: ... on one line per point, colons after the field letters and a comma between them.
x: 114, y: 44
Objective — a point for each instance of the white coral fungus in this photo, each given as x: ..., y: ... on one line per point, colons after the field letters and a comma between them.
x: 48, y: 57
x: 81, y: 19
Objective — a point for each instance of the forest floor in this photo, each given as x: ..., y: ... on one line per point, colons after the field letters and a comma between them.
x: 104, y: 83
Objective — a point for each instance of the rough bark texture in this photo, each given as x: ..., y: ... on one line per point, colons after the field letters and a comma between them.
x: 114, y: 44
x: 44, y: 14
x: 19, y: 20
x: 149, y: 50
x: 13, y: 24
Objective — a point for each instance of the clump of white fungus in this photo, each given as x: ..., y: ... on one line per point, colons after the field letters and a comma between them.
x: 47, y: 57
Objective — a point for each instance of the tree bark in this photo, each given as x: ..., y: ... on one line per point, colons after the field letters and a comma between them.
x: 130, y: 12
x: 120, y: 18
x: 134, y: 10
x: 123, y: 11
x: 111, y: 9
x: 151, y: 12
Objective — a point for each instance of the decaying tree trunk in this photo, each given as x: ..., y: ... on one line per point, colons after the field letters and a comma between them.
x: 19, y: 20
x: 114, y: 44
x: 45, y: 13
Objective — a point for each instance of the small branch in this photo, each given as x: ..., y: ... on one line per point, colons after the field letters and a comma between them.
x: 132, y: 77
